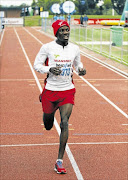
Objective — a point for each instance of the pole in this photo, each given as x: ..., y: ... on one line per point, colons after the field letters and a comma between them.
x: 1, y: 24
x: 45, y: 23
x: 122, y: 49
x: 24, y: 17
x: 42, y: 24
x: 101, y: 41
x: 110, y: 46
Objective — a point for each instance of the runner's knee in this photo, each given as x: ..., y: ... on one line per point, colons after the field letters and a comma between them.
x: 48, y: 127
x: 48, y: 120
x: 64, y: 125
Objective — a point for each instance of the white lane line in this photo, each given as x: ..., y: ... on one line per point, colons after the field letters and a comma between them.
x: 112, y: 68
x: 2, y: 37
x: 20, y: 80
x: 97, y: 143
x: 33, y: 36
x: 32, y: 84
x: 22, y: 145
x: 104, y: 97
x: 125, y: 124
x: 33, y: 72
x: 56, y: 144
x: 110, y: 102
x: 69, y: 153
x: 70, y: 156
x: 104, y: 79
x: 73, y: 79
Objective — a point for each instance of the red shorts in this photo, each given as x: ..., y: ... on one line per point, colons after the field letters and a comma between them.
x: 52, y: 100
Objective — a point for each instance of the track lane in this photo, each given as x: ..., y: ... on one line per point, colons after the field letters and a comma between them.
x: 103, y: 104
x: 102, y: 162
x: 21, y: 120
x: 31, y: 163
x: 88, y: 173
x: 111, y: 129
x: 67, y: 149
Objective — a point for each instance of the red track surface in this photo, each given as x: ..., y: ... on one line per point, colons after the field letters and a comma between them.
x: 95, y: 124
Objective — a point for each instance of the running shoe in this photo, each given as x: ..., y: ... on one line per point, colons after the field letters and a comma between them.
x: 59, y: 168
x: 40, y: 98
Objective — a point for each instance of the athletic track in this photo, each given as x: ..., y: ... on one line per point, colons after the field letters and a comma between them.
x: 98, y: 127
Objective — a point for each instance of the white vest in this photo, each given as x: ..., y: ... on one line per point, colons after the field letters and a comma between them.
x: 54, y: 55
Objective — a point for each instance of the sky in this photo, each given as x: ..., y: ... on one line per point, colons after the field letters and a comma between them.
x: 15, y: 2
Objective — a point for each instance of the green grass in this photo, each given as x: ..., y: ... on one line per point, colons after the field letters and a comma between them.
x: 36, y: 20
x: 32, y: 20
x: 126, y: 29
x: 80, y: 35
x: 99, y: 16
x: 96, y: 34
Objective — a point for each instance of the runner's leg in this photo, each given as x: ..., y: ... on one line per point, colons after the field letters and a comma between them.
x: 65, y: 112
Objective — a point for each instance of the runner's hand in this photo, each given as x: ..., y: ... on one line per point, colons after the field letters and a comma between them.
x: 81, y: 71
x: 55, y: 70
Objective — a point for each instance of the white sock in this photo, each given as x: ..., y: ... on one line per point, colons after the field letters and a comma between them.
x: 59, y: 160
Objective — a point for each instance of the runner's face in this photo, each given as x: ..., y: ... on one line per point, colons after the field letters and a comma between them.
x: 63, y: 34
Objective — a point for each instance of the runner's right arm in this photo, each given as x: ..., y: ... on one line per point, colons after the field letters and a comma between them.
x: 40, y: 60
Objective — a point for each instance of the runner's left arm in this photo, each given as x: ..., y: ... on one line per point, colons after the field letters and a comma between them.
x: 78, y: 64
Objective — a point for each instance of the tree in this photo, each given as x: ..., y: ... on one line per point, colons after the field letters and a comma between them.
x: 81, y: 6
x: 46, y: 4
x: 101, y: 9
x: 86, y: 7
x: 34, y: 4
x: 107, y: 4
x: 118, y: 5
x: 91, y: 4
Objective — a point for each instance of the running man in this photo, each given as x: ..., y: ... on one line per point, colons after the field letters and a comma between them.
x: 59, y: 57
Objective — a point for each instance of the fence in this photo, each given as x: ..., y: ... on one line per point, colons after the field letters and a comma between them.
x: 0, y: 25
x: 110, y: 43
